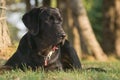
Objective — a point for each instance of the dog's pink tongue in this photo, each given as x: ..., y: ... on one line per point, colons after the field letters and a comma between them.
x: 54, y: 48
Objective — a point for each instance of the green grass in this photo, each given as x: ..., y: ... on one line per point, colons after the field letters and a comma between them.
x: 112, y: 68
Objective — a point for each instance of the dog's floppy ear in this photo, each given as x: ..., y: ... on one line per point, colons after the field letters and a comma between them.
x: 31, y: 20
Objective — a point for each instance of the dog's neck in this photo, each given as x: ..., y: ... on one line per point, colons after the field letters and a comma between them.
x: 37, y: 44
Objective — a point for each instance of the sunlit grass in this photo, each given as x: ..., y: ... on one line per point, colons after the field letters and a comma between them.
x: 112, y: 68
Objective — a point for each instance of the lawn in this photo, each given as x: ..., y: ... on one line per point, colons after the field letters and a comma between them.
x: 112, y: 68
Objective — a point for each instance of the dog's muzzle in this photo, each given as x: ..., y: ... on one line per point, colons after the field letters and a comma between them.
x: 61, y: 37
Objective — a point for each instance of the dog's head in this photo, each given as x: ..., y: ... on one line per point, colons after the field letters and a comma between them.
x: 45, y: 23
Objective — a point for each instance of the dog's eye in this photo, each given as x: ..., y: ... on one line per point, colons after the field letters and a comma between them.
x: 60, y: 19
x: 51, y: 18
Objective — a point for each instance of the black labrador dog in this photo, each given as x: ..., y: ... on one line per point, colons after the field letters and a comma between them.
x: 44, y: 45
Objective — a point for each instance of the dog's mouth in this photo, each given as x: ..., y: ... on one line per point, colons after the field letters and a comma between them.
x: 59, y: 43
x: 55, y: 47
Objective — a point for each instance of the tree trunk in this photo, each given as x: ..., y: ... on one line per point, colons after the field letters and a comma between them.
x: 46, y: 3
x: 108, y: 26
x: 4, y: 34
x: 69, y: 26
x: 36, y: 3
x: 28, y: 5
x: 117, y: 27
x: 111, y: 39
x: 79, y: 13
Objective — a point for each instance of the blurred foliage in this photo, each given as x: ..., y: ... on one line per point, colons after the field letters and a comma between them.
x: 13, y: 1
x: 53, y: 3
x: 94, y: 11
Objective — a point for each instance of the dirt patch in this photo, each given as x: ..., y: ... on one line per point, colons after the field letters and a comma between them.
x: 6, y: 53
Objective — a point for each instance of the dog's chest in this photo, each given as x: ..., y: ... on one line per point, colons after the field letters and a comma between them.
x: 52, y: 60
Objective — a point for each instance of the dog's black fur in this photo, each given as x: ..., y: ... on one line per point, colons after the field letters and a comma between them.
x: 45, y: 32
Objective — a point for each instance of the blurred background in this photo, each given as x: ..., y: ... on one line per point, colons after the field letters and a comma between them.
x: 92, y: 26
